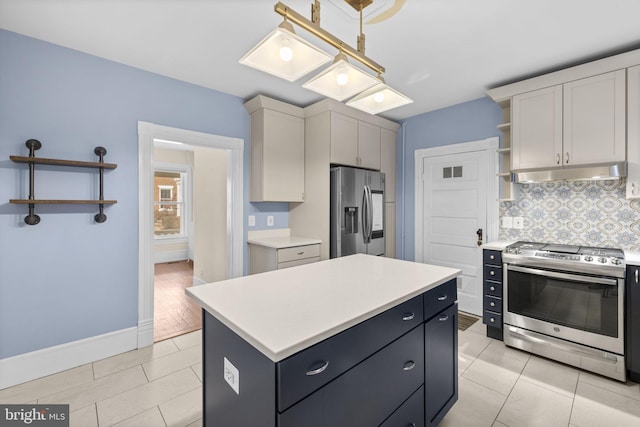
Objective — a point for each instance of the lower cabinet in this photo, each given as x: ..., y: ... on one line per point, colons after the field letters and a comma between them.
x: 263, y: 258
x: 632, y: 333
x: 398, y: 368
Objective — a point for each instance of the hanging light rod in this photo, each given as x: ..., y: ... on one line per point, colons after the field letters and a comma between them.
x: 314, y: 28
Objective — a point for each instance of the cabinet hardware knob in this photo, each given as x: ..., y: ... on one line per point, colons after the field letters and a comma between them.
x: 492, y: 257
x: 558, y: 158
x: 492, y: 273
x: 443, y: 318
x: 408, y: 316
x: 411, y: 425
x: 409, y: 365
x: 492, y: 288
x: 301, y: 253
x: 443, y: 297
x: 319, y: 369
x: 492, y: 320
x: 633, y: 188
x: 492, y: 304
x: 567, y: 158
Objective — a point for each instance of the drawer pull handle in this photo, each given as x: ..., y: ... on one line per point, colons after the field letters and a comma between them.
x: 492, y: 288
x: 442, y: 298
x: 492, y: 320
x: 443, y: 318
x: 408, y: 316
x: 492, y: 273
x: 409, y: 365
x: 301, y: 253
x: 492, y: 304
x: 637, y: 276
x: 318, y: 370
x: 411, y: 425
x: 492, y: 257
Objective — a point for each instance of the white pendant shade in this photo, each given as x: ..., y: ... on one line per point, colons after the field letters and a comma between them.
x: 378, y: 99
x: 285, y: 55
x: 340, y: 81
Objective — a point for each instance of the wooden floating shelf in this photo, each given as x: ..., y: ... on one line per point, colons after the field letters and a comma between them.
x: 61, y: 162
x: 61, y: 202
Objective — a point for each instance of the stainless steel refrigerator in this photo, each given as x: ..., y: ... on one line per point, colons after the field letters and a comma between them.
x: 357, y: 212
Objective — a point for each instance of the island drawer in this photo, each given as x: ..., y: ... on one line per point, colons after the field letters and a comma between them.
x: 411, y: 413
x: 304, y: 372
x: 298, y: 252
x: 492, y: 257
x: 439, y: 298
x: 367, y: 394
x: 492, y: 318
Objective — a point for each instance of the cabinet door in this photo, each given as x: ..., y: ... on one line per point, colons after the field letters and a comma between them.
x: 277, y: 157
x: 633, y: 127
x: 536, y: 129
x: 441, y: 364
x: 594, y: 119
x: 632, y: 308
x: 344, y: 140
x: 368, y: 146
x: 388, y: 163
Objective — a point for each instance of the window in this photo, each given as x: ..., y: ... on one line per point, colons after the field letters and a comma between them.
x: 169, y: 204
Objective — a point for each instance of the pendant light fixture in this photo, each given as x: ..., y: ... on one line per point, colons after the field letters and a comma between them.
x: 285, y: 54
x: 276, y: 54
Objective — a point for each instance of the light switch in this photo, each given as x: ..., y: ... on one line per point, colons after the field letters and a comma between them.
x: 506, y: 222
x: 270, y: 221
x: 232, y: 375
x: 252, y: 220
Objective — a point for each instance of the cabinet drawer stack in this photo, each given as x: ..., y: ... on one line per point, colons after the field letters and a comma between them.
x: 492, y: 293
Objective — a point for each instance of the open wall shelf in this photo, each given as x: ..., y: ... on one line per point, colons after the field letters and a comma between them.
x: 31, y: 160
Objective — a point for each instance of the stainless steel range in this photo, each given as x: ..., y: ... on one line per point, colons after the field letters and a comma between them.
x: 566, y: 303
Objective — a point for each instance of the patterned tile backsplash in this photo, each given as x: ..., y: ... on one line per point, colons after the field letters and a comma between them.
x: 588, y: 213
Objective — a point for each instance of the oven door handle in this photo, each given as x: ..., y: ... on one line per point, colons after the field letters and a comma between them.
x: 558, y: 275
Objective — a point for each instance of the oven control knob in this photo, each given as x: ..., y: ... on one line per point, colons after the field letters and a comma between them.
x: 616, y: 261
x: 602, y: 260
x: 588, y: 258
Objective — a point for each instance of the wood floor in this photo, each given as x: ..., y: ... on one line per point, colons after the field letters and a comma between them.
x: 174, y: 313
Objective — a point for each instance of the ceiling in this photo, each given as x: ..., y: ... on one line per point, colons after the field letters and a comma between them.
x: 438, y: 52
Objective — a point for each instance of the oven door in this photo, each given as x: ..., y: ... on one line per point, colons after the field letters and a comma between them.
x: 584, y: 309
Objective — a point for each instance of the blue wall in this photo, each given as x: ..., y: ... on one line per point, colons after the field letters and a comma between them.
x: 469, y: 121
x: 69, y: 278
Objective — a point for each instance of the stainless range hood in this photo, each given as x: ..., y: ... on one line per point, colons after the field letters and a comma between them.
x: 577, y: 173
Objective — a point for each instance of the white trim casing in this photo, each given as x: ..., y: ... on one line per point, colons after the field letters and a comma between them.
x: 29, y: 366
x: 147, y: 132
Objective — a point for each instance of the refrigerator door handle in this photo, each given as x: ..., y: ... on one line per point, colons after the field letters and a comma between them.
x: 370, y: 212
x: 365, y: 215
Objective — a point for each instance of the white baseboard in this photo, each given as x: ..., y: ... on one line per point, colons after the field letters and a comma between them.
x: 29, y: 366
x: 198, y: 281
x: 170, y: 256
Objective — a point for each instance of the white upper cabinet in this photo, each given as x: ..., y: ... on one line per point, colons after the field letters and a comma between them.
x: 633, y: 128
x: 354, y: 142
x: 594, y: 119
x: 277, y: 151
x: 536, y: 131
x: 581, y: 122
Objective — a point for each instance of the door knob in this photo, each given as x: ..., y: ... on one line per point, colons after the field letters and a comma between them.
x: 479, y: 233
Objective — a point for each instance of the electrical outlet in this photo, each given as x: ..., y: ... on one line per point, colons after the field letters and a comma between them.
x: 270, y: 221
x: 252, y: 220
x: 232, y: 375
x: 518, y: 222
x: 506, y: 222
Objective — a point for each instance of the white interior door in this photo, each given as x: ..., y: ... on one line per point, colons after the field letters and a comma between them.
x: 452, y: 193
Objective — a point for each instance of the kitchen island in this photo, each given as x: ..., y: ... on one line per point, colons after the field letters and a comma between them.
x: 354, y: 341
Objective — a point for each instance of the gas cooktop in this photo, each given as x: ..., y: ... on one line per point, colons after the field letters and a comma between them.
x: 566, y: 257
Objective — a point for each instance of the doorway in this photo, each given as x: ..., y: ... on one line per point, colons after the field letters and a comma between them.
x: 456, y: 211
x: 232, y: 228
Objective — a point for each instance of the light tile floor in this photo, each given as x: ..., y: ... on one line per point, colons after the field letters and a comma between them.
x: 162, y: 386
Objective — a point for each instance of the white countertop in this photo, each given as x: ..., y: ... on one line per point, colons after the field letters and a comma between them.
x: 632, y: 257
x: 497, y: 245
x: 278, y: 239
x: 285, y: 311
